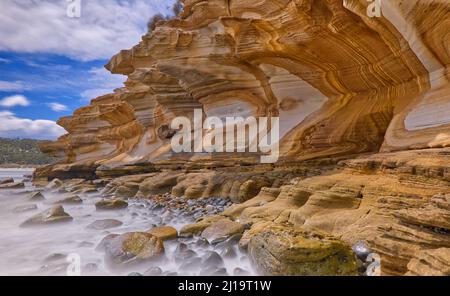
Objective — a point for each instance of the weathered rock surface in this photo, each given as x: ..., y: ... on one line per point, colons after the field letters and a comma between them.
x: 341, y: 82
x: 221, y: 230
x: 132, y: 248
x: 280, y: 250
x: 36, y: 196
x: 50, y: 216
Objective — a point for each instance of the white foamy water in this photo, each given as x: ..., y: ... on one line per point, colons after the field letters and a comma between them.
x: 43, y: 250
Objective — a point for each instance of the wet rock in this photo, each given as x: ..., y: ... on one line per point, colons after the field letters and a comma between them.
x: 362, y: 250
x: 54, y: 184
x: 107, y: 239
x: 6, y: 181
x: 50, y: 216
x: 229, y: 253
x: 16, y: 185
x: 213, y: 271
x: 201, y: 242
x: 153, y: 271
x: 197, y: 228
x: 54, y: 269
x: 292, y: 251
x: 55, y: 257
x: 181, y: 247
x: 111, y: 204
x: 104, y: 224
x: 164, y: 232
x: 36, y: 196
x: 221, y: 230
x: 132, y: 248
x: 220, y: 272
x: 430, y: 263
x: 182, y: 256
x: 127, y: 190
x: 240, y: 272
x: 191, y: 264
x: 73, y: 199
x: 25, y: 208
x: 212, y: 259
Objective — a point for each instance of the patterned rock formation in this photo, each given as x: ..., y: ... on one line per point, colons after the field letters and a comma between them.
x: 342, y: 83
x: 363, y: 106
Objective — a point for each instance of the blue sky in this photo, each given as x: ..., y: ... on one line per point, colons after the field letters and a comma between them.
x: 51, y: 64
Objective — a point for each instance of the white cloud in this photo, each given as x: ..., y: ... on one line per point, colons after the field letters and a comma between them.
x: 104, y: 81
x: 13, y: 101
x: 104, y: 28
x: 12, y: 86
x: 57, y: 107
x: 14, y: 127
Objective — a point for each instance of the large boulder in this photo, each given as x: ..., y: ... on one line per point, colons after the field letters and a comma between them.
x: 221, y: 230
x: 50, y: 216
x: 132, y: 248
x: 293, y: 251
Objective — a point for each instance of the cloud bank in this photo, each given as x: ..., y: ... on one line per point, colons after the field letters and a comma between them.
x: 104, y: 28
x: 15, y: 127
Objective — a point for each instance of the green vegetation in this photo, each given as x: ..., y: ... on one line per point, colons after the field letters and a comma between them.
x: 22, y: 152
x: 177, y: 8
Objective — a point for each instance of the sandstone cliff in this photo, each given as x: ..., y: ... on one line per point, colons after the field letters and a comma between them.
x: 364, y: 115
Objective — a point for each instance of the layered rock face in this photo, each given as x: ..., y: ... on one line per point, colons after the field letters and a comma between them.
x: 364, y: 119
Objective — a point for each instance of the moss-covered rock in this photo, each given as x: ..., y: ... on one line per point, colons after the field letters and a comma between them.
x: 132, y: 248
x: 293, y: 251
